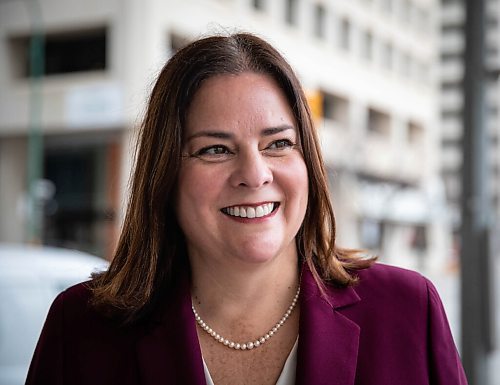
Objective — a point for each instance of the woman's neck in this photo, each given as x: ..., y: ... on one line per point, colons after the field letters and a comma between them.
x: 251, y: 296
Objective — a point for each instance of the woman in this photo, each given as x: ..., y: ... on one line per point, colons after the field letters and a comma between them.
x: 227, y: 270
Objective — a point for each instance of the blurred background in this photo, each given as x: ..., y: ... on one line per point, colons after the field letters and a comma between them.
x: 385, y: 80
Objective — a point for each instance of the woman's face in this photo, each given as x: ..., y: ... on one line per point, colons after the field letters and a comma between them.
x: 243, y: 184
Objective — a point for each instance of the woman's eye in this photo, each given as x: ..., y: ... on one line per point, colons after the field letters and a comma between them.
x: 213, y: 153
x: 213, y: 150
x: 281, y: 144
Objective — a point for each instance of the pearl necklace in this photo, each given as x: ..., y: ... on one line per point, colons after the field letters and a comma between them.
x: 252, y: 344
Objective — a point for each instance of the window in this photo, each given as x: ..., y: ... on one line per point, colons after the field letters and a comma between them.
x: 258, y: 4
x: 378, y: 122
x: 345, y: 34
x: 452, y: 184
x: 83, y: 205
x: 336, y: 108
x: 452, y: 29
x: 177, y: 42
x: 453, y: 57
x: 68, y: 52
x: 371, y: 233
x: 418, y: 239
x: 451, y: 114
x: 291, y: 11
x: 415, y: 132
x: 387, y: 56
x: 451, y: 142
x: 319, y: 20
x: 367, y: 52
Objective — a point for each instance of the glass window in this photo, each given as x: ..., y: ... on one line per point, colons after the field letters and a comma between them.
x: 177, y: 42
x: 67, y: 52
x: 418, y: 239
x: 415, y: 132
x: 367, y: 46
x: 291, y: 11
x: 258, y: 4
x: 371, y: 233
x: 378, y: 122
x: 345, y: 34
x: 319, y: 20
x: 387, y: 56
x: 336, y: 108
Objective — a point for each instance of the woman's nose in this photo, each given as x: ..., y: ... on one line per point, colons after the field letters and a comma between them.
x: 251, y: 170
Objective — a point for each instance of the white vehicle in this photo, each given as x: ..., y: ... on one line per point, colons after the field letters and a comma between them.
x: 30, y: 279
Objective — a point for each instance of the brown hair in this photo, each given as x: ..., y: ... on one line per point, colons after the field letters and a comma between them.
x: 151, y: 249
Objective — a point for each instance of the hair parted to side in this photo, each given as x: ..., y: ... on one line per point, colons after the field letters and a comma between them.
x: 151, y: 248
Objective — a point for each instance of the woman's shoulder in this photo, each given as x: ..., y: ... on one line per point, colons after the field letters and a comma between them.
x: 74, y: 312
x: 76, y: 296
x: 381, y: 273
x: 79, y: 292
x: 391, y: 274
x: 74, y: 305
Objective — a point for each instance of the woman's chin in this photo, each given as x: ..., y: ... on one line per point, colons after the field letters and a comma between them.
x: 263, y: 254
x: 256, y: 259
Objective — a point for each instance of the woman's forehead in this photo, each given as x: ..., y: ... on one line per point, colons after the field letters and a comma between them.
x: 233, y: 99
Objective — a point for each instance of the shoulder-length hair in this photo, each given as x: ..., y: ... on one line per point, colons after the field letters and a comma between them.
x: 151, y: 250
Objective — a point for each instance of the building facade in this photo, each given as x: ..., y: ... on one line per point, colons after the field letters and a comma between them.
x: 452, y: 49
x: 369, y: 68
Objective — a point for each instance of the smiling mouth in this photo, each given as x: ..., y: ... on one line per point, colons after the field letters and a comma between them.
x: 251, y: 211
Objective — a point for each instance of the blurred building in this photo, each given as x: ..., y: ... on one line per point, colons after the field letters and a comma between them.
x: 452, y: 49
x: 452, y: 71
x: 369, y: 67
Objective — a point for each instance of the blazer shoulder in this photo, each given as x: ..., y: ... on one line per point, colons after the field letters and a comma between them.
x: 390, y: 275
x: 74, y: 305
x: 76, y: 295
x: 79, y: 292
x: 383, y: 281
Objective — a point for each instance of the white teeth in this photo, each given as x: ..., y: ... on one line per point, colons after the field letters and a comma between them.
x: 249, y: 211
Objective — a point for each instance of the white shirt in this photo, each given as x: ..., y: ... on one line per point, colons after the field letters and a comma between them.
x: 287, y: 376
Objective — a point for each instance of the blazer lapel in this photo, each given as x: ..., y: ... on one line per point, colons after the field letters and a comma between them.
x: 169, y: 352
x: 328, y: 341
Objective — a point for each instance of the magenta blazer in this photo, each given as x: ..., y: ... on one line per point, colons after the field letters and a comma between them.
x: 390, y: 329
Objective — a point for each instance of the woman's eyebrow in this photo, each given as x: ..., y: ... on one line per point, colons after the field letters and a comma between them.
x: 276, y: 130
x: 211, y: 134
x: 229, y: 135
